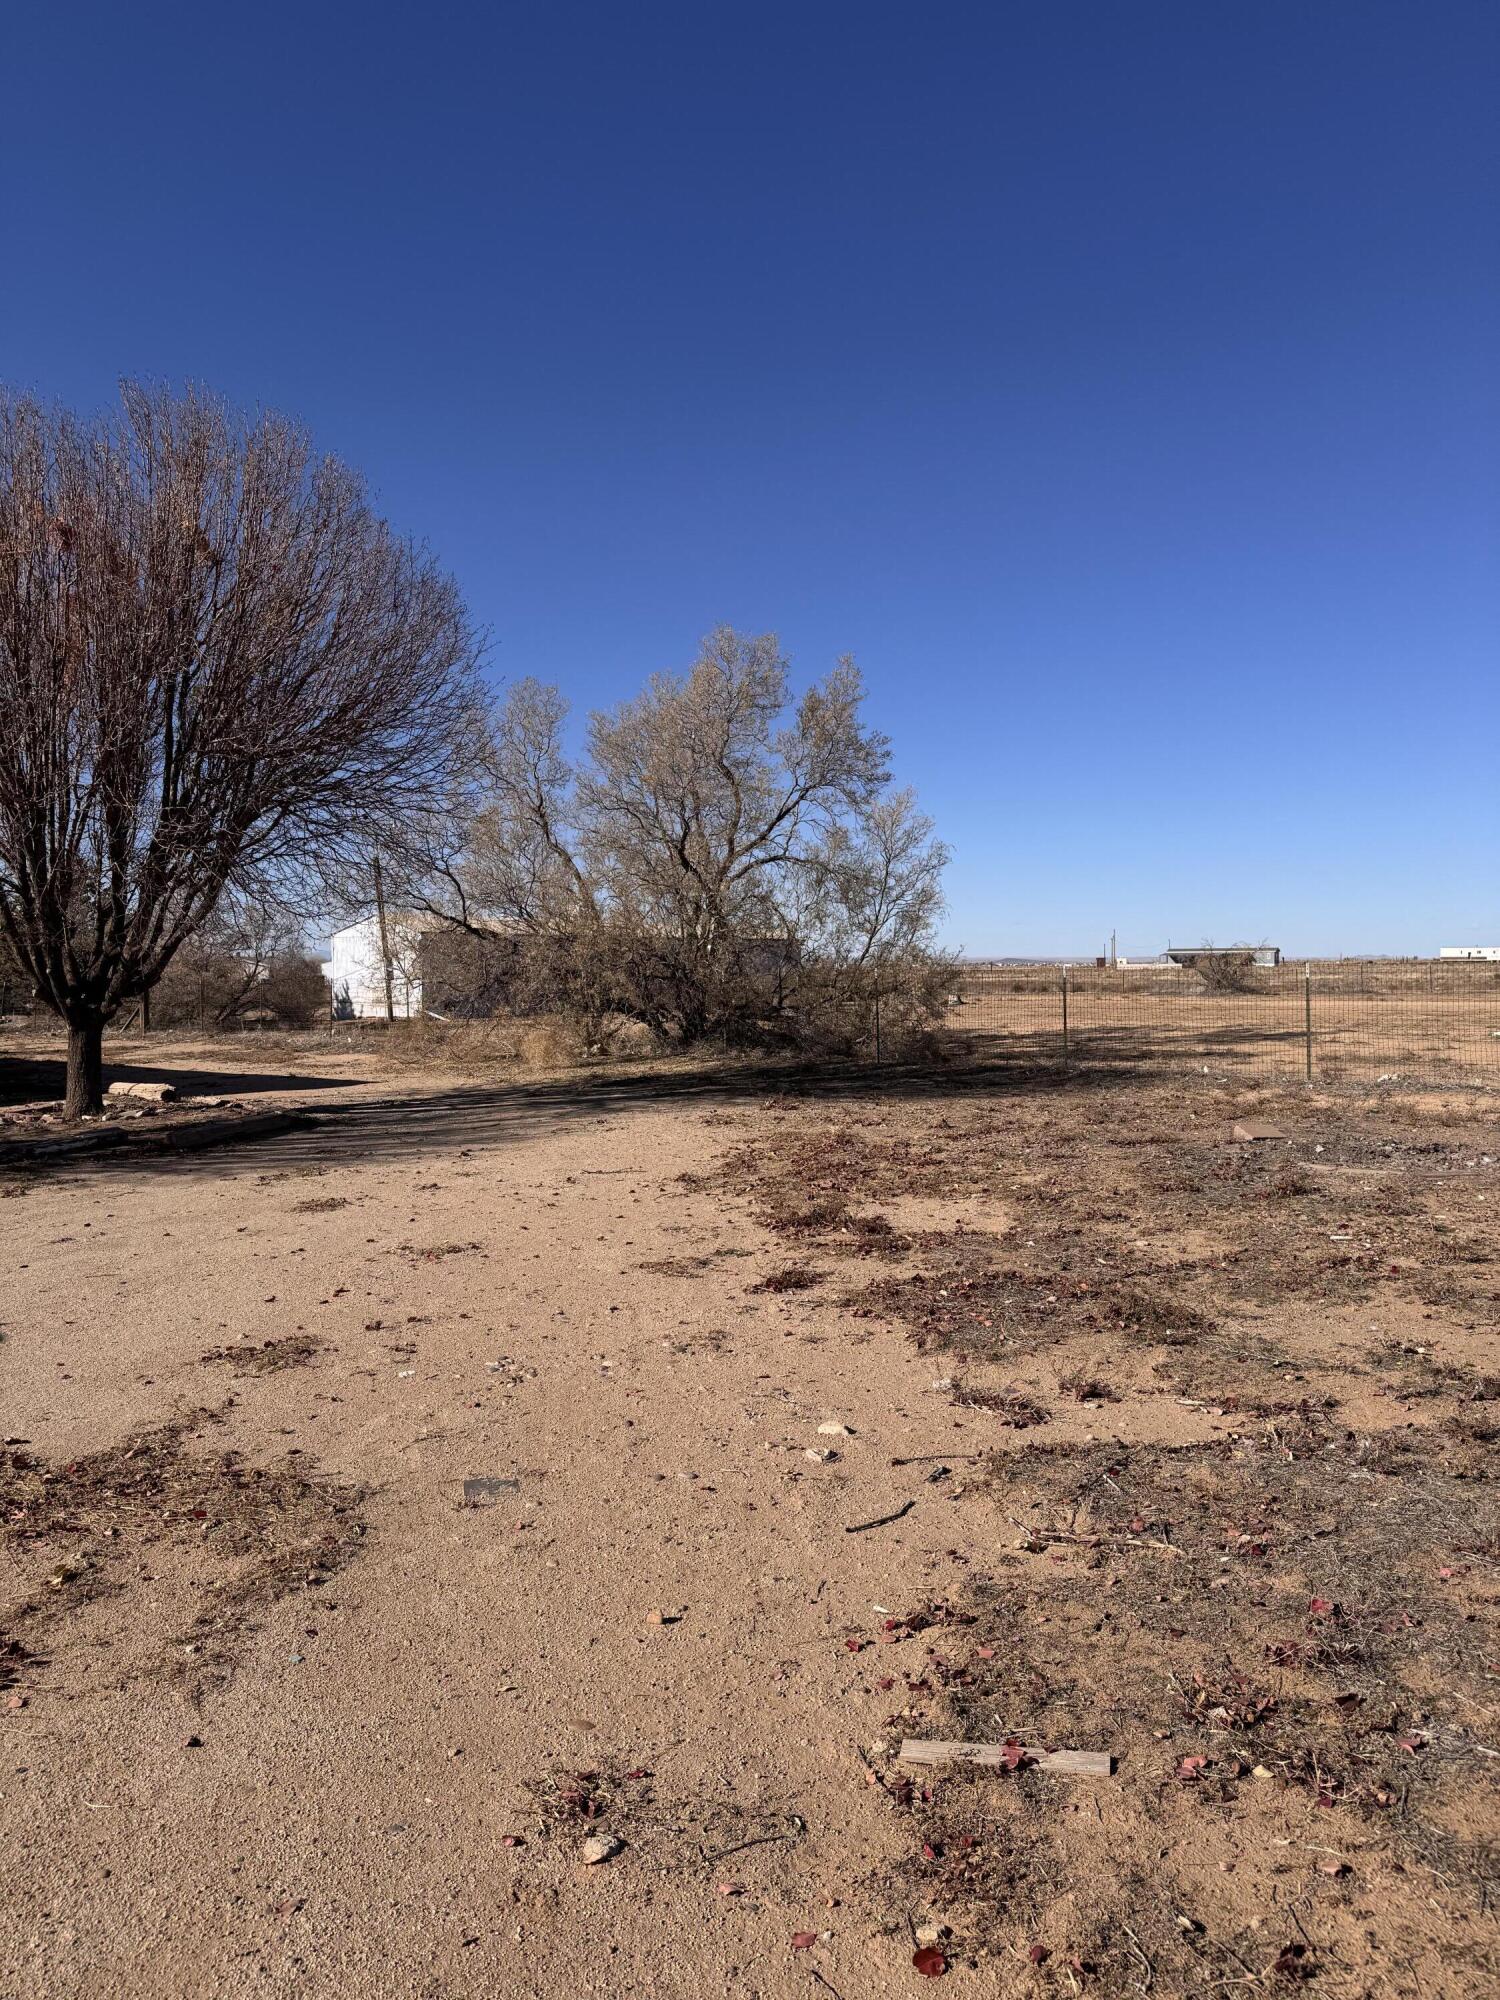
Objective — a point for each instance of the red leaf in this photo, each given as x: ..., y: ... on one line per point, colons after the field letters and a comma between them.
x: 1013, y: 1754
x: 1039, y: 1954
x: 930, y: 1962
x: 1191, y: 1767
x: 803, y: 1940
x: 1320, y: 1607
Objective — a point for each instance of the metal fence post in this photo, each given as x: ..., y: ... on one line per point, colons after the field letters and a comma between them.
x: 1307, y: 1016
x: 1066, y: 1056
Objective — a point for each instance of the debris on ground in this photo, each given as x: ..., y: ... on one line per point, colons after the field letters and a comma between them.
x: 486, y: 1491
x: 148, y: 1093
x: 883, y: 1520
x: 1011, y: 1755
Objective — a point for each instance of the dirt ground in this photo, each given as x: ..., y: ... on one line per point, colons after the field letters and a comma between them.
x: 1450, y: 1036
x: 1172, y: 1446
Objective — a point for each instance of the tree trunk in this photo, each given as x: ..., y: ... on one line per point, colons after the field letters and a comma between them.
x: 85, y: 1096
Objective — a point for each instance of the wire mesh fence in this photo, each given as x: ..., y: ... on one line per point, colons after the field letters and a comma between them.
x: 1419, y: 1020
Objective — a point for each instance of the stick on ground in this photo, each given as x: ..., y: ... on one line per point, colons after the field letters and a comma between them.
x: 991, y: 1756
x: 884, y: 1521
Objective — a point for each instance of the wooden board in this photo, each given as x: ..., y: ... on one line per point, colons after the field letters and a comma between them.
x: 1079, y: 1763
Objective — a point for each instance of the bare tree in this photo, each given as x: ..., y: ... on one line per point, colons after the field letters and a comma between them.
x: 251, y: 951
x: 716, y: 835
x: 218, y: 668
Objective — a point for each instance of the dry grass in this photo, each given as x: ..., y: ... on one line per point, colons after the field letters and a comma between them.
x: 666, y: 1836
x: 1283, y: 1631
x: 269, y: 1357
x: 218, y: 1540
x: 790, y: 1278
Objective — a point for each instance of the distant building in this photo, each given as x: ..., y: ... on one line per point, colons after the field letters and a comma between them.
x: 1198, y: 954
x: 493, y: 967
x: 356, y: 971
x: 1485, y: 951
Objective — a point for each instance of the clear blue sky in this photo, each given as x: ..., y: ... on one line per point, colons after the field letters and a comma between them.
x: 1119, y: 382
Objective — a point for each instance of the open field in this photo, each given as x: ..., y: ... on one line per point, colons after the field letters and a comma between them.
x: 1359, y: 1021
x: 1155, y: 1443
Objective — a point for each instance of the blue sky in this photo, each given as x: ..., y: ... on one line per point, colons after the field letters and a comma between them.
x: 1118, y: 382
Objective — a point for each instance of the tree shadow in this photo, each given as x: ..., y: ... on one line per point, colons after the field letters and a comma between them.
x: 453, y: 1119
x: 27, y: 1079
x: 461, y: 1117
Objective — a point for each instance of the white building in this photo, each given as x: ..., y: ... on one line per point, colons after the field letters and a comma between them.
x: 1486, y: 951
x: 356, y: 972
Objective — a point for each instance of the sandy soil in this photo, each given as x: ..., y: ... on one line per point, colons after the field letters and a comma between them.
x: 284, y: 1714
x: 1413, y: 1036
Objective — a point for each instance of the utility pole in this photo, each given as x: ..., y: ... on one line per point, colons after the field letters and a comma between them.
x: 385, y: 942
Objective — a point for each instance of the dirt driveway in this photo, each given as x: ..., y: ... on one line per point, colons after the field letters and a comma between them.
x: 287, y: 1713
x: 326, y: 1805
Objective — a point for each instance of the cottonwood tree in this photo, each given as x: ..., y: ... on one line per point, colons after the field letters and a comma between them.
x: 219, y: 669
x: 715, y: 835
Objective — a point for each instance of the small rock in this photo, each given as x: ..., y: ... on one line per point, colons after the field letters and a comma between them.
x: 931, y: 1933
x: 600, y: 1847
x: 834, y: 1431
x: 819, y: 1457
